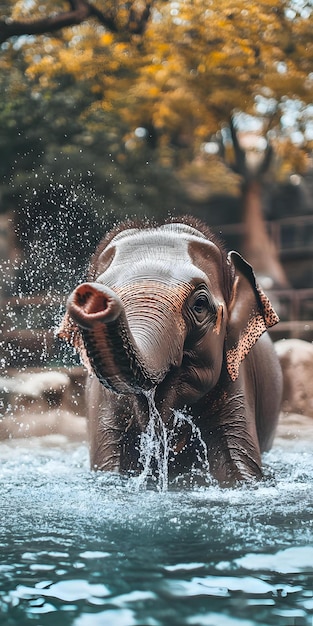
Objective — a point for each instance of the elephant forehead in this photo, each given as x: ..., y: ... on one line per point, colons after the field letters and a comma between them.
x: 164, y: 253
x: 153, y: 273
x: 148, y: 244
x: 173, y: 230
x: 168, y: 236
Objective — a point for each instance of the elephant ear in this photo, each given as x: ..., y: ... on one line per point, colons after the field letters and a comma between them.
x: 69, y: 331
x: 250, y: 314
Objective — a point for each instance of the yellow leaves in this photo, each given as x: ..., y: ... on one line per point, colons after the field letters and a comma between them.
x: 44, y: 69
x: 224, y: 101
x: 152, y: 92
x: 218, y: 57
x: 121, y: 48
x: 197, y: 61
x: 201, y: 178
x: 205, y: 128
x: 106, y: 39
x: 290, y: 159
x: 222, y: 23
x: 164, y: 117
x: 290, y: 84
x: 150, y: 71
x: 76, y: 63
x: 21, y: 10
x: 107, y: 105
x: 96, y: 89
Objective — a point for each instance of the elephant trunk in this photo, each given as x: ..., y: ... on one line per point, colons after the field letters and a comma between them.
x: 111, y: 348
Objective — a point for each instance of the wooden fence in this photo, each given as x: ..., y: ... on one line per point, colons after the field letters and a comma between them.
x: 28, y: 335
x: 29, y: 327
x: 293, y: 236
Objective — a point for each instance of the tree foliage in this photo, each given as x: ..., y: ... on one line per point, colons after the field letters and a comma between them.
x: 155, y: 84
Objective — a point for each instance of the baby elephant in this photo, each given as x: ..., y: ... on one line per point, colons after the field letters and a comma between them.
x: 166, y: 311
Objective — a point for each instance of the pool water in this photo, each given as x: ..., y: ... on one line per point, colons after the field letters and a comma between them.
x: 89, y: 549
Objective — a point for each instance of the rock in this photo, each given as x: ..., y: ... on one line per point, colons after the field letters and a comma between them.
x: 35, y: 404
x: 294, y: 431
x: 42, y: 383
x: 28, y: 424
x: 296, y: 359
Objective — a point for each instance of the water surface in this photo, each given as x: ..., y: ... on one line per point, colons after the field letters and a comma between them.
x: 86, y: 549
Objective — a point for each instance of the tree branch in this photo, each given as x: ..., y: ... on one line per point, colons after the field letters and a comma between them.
x: 139, y: 14
x: 266, y: 161
x: 240, y: 165
x: 80, y: 11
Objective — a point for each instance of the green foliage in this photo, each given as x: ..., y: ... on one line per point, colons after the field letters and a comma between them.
x: 129, y: 116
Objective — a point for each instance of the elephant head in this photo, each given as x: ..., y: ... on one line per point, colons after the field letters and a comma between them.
x: 166, y: 307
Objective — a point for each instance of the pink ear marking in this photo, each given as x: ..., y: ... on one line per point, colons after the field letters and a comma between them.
x: 255, y: 328
x: 270, y: 316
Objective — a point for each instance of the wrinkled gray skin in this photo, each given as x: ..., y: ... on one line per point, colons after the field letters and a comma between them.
x: 166, y: 309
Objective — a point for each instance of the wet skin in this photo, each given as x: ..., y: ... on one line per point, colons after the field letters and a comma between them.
x: 166, y: 309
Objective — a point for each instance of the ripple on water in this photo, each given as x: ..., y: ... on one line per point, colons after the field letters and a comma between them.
x: 96, y: 550
x: 289, y: 561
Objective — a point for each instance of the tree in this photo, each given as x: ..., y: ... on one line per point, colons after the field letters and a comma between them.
x: 78, y: 12
x: 257, y: 245
x: 178, y: 70
x: 155, y: 83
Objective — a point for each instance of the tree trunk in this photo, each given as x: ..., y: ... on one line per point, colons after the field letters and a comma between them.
x: 258, y: 248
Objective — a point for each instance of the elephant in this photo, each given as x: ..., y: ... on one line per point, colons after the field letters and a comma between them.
x: 166, y: 311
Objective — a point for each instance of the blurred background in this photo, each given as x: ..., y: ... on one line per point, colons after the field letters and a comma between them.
x: 150, y: 109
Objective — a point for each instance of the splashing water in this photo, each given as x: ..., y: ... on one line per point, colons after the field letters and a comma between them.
x: 201, y: 465
x: 154, y: 448
x: 157, y: 447
x: 91, y: 549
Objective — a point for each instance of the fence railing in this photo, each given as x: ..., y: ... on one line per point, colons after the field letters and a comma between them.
x: 28, y: 330
x: 29, y: 325
x: 295, y: 310
x: 291, y: 235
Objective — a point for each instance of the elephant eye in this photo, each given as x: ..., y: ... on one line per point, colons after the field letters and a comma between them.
x: 200, y: 305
